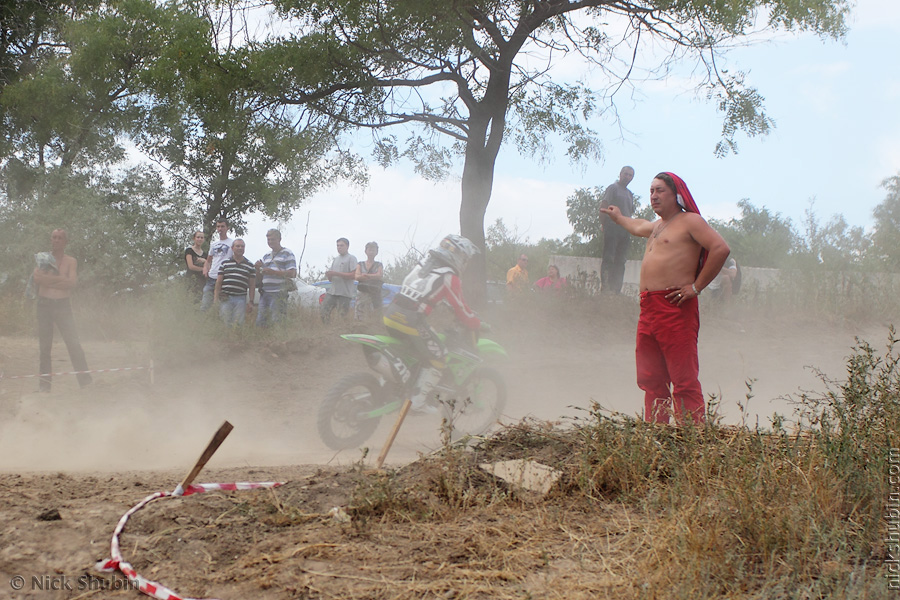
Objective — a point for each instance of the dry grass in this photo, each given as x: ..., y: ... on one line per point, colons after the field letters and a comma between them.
x: 641, y: 511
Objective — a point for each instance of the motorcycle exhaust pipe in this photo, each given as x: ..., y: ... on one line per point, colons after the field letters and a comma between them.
x: 379, y: 363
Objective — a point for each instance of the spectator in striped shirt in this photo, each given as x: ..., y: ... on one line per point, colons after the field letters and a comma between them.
x: 275, y: 270
x: 237, y: 278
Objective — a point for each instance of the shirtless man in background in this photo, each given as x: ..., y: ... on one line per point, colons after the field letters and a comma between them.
x: 682, y: 256
x: 54, y: 308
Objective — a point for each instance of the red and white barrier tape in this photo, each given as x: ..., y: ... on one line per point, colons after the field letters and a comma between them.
x: 78, y: 372
x: 116, y: 562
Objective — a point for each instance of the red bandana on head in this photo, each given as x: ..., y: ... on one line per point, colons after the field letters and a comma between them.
x: 686, y: 201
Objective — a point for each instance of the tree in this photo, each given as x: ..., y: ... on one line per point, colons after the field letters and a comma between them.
x: 583, y: 212
x: 90, y: 86
x: 886, y: 237
x: 759, y: 238
x: 835, y: 245
x: 503, y: 246
x: 125, y: 228
x: 233, y: 154
x: 475, y: 71
x: 170, y: 78
x: 224, y: 144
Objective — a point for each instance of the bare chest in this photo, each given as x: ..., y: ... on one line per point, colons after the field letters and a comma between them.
x: 670, y: 256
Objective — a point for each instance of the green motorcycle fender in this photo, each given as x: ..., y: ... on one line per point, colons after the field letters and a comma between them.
x: 372, y: 340
x: 488, y: 348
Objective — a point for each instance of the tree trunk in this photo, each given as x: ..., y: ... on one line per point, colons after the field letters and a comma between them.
x: 477, y: 182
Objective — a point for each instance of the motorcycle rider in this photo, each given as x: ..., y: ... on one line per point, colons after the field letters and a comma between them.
x: 431, y: 282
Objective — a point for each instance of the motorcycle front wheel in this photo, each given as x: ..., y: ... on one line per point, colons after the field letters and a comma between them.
x: 343, y: 419
x: 478, y: 404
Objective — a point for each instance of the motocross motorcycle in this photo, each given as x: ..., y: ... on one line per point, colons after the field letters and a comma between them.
x: 470, y: 396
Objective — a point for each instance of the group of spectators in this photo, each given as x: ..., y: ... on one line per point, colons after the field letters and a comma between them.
x: 225, y: 276
x: 683, y: 256
x: 517, y: 280
x: 345, y: 269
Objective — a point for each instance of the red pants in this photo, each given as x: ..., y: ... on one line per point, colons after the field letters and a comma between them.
x: 666, y: 353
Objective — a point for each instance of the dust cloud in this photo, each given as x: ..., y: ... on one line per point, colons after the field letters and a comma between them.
x: 561, y: 360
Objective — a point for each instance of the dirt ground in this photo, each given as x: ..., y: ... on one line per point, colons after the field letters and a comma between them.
x: 73, y: 461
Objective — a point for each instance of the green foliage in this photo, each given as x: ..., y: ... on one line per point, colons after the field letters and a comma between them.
x: 225, y: 145
x: 91, y: 86
x: 743, y: 110
x: 459, y: 70
x: 885, y: 249
x: 254, y: 125
x: 504, y: 245
x: 23, y: 28
x: 400, y: 267
x: 29, y: 33
x: 835, y: 245
x: 583, y: 212
x: 855, y: 424
x: 762, y: 238
x: 759, y: 238
x: 374, y: 49
x: 817, y: 292
x: 126, y: 229
x: 177, y: 330
x: 164, y: 77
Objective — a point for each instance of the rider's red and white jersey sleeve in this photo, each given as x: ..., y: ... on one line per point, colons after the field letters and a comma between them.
x: 430, y: 287
x: 451, y: 293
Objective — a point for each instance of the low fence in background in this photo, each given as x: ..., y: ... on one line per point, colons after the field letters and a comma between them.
x: 584, y: 273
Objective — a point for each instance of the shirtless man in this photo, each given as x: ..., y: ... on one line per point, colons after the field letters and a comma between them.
x: 683, y: 255
x: 54, y: 286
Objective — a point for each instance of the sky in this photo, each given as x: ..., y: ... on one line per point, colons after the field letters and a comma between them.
x: 836, y: 105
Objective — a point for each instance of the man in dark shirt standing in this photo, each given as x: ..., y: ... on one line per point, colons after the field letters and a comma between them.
x: 237, y: 277
x: 615, y: 239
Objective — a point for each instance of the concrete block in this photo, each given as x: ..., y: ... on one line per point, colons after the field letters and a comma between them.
x: 525, y: 474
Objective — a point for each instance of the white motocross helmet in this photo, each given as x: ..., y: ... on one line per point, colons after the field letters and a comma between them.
x: 455, y: 251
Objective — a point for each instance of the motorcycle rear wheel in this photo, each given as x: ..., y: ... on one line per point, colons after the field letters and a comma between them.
x: 478, y: 406
x: 341, y: 419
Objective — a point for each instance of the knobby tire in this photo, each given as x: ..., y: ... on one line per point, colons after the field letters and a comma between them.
x: 339, y: 419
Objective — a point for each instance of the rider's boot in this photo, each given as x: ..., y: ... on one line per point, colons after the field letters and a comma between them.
x: 428, y: 378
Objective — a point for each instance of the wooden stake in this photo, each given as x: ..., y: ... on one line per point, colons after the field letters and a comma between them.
x: 211, y: 448
x: 390, y: 441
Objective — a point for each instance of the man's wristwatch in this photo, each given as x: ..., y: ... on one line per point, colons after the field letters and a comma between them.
x: 696, y: 291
